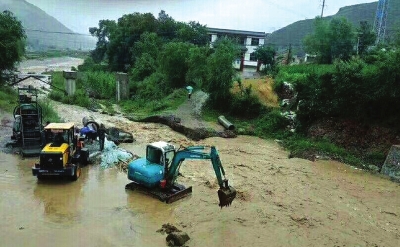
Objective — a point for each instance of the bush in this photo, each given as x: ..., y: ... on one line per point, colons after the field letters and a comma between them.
x: 90, y: 66
x: 98, y: 84
x: 152, y: 87
x: 272, y: 124
x: 246, y: 104
x: 8, y: 98
x: 56, y: 95
x: 49, y: 114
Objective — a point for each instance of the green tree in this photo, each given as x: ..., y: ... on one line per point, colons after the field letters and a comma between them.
x: 192, y: 32
x: 12, y: 42
x: 221, y: 72
x: 366, y: 37
x: 149, y: 43
x: 396, y: 35
x: 197, y: 66
x: 173, y: 63
x: 103, y: 35
x: 331, y: 40
x: 145, y: 53
x: 166, y: 26
x: 129, y: 29
x: 266, y: 54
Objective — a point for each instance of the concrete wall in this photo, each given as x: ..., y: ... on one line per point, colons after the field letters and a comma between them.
x: 122, y: 90
x: 70, y: 81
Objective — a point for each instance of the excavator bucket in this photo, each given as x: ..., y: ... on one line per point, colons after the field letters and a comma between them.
x: 226, y: 196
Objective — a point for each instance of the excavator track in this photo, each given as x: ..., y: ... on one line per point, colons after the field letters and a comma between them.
x: 169, y: 195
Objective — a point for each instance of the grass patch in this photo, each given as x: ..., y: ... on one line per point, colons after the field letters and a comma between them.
x: 58, y: 94
x: 262, y: 88
x: 301, y: 146
x: 298, y: 73
x: 107, y: 106
x: 48, y: 112
x: 98, y: 85
x: 141, y: 108
x: 8, y: 98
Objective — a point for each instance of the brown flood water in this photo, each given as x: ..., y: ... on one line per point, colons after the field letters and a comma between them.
x: 93, y: 211
x: 280, y: 202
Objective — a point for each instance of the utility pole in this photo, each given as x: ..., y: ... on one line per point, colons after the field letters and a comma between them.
x: 323, y: 6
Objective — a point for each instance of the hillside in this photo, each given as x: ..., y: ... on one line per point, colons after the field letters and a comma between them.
x: 44, y: 31
x: 294, y: 33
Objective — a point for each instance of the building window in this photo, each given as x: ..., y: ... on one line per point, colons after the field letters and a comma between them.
x: 253, y: 56
x: 242, y: 40
x: 255, y: 41
x: 210, y: 37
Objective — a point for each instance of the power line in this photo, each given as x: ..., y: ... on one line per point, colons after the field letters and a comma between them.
x: 58, y: 32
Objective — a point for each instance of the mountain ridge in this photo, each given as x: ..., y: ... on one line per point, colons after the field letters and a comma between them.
x: 294, y: 33
x: 44, y: 31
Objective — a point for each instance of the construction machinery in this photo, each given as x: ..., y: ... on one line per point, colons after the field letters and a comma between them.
x: 63, y: 155
x: 27, y: 127
x: 156, y: 174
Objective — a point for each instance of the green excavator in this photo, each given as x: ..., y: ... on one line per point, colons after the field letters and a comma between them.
x: 156, y: 174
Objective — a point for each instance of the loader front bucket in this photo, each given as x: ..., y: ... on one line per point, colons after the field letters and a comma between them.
x: 226, y: 196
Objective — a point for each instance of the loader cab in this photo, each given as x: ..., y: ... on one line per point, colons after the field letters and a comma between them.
x: 60, y: 133
x: 60, y: 156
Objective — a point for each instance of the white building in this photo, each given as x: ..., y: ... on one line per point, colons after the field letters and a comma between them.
x: 249, y: 41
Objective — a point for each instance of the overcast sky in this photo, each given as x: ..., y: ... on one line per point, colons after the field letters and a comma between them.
x: 252, y: 15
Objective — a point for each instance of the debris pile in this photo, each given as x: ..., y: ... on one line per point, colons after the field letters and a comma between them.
x: 175, y: 236
x: 113, y: 155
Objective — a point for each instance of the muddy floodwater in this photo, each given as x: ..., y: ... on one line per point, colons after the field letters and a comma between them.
x: 93, y: 211
x: 280, y: 201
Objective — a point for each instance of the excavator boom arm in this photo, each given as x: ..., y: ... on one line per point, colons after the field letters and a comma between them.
x: 226, y: 193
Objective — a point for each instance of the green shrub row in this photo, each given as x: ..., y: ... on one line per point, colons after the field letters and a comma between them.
x: 353, y: 89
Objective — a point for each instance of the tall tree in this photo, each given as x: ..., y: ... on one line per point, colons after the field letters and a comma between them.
x: 129, y: 29
x: 331, y: 40
x: 103, y: 34
x: 173, y: 63
x: 145, y: 53
x: 266, y: 54
x: 365, y: 37
x: 221, y: 72
x: 12, y: 41
x: 192, y: 32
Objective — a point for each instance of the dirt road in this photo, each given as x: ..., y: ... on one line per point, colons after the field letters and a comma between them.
x: 281, y: 201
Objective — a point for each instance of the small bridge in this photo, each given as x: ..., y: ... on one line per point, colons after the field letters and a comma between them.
x: 20, y: 77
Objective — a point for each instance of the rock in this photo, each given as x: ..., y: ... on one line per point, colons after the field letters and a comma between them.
x: 119, y: 136
x: 168, y: 228
x: 126, y: 137
x: 178, y: 238
x: 373, y: 168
